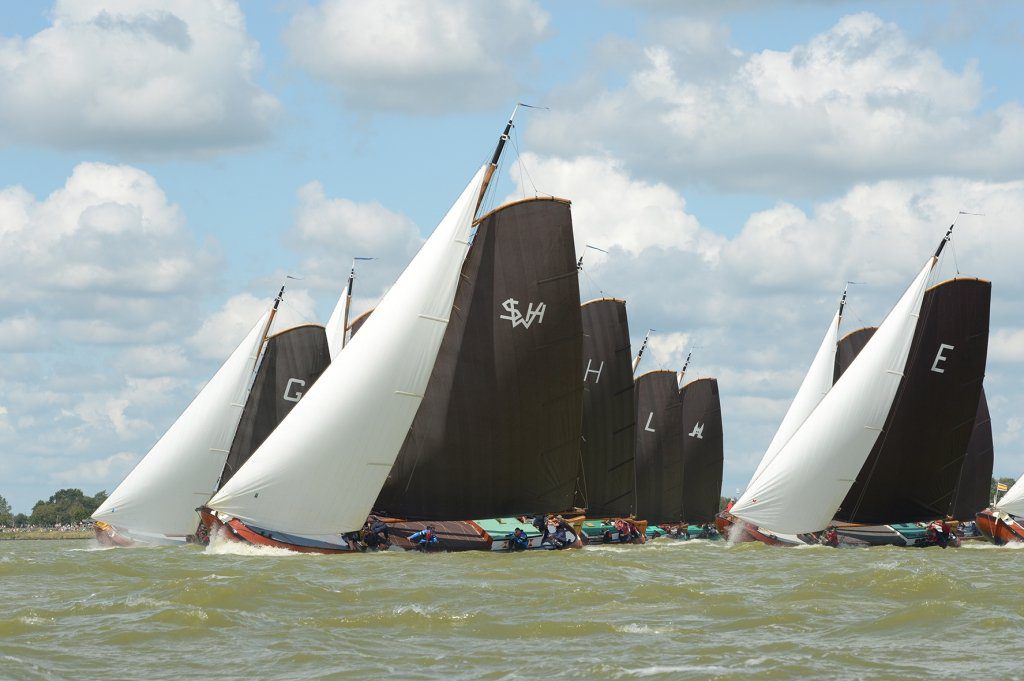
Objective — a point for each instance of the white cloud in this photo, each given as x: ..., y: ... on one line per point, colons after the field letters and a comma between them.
x: 613, y: 210
x: 100, y: 260
x: 417, y: 56
x: 1007, y: 345
x: 222, y: 331
x: 755, y: 312
x: 328, y: 232
x: 99, y: 470
x: 152, y: 360
x: 858, y: 102
x: 136, y: 76
x: 22, y: 333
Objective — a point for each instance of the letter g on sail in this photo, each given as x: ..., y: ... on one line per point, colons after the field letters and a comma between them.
x: 290, y: 390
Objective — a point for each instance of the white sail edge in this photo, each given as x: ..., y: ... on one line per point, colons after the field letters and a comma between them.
x: 816, y: 384
x: 336, y: 325
x: 1013, y: 501
x: 320, y: 471
x: 160, y: 495
x: 802, y: 488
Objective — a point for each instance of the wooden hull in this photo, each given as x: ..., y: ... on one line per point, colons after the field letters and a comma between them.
x: 471, y: 535
x: 739, y: 531
x: 107, y: 535
x: 999, y: 528
x: 233, y: 529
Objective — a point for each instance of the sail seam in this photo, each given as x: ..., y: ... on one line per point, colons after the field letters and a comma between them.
x: 443, y: 320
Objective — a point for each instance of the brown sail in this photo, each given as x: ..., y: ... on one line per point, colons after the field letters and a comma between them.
x: 292, y: 361
x: 606, y: 479
x: 974, y: 485
x: 659, y: 448
x: 912, y: 472
x: 498, y: 430
x: 703, y: 453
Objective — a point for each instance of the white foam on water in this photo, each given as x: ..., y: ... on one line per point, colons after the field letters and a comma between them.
x: 634, y: 628
x: 734, y: 533
x: 659, y: 670
x: 616, y: 548
x: 987, y: 546
x: 220, y: 546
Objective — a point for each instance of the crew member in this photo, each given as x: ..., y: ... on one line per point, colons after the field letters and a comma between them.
x: 518, y: 541
x: 425, y: 539
x: 831, y: 537
x: 377, y: 533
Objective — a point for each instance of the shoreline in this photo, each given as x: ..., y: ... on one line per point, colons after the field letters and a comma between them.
x: 46, y: 535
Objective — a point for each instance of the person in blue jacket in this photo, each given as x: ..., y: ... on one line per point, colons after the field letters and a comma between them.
x: 518, y: 540
x: 425, y: 539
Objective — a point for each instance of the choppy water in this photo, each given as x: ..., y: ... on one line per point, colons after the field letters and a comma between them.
x: 665, y: 610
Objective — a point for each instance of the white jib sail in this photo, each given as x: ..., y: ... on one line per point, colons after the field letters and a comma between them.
x: 815, y: 385
x: 160, y: 495
x: 336, y: 325
x: 1013, y: 501
x: 803, y: 486
x: 320, y: 471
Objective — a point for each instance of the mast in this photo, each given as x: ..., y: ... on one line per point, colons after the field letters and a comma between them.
x: 348, y: 301
x: 679, y: 378
x: 643, y: 346
x: 266, y: 327
x: 493, y: 165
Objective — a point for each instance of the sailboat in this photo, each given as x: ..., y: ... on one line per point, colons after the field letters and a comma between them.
x: 679, y: 453
x: 155, y: 503
x: 933, y: 450
x: 605, y: 483
x: 829, y: 431
x: 1002, y: 522
x: 315, y: 478
x: 497, y: 435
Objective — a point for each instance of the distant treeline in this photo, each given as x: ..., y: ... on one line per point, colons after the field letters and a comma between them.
x: 66, y: 506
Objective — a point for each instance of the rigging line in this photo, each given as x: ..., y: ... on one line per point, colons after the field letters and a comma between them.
x: 592, y: 283
x: 522, y: 166
x: 296, y: 311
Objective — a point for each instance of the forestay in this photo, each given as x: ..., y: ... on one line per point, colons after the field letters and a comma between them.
x: 319, y: 472
x: 180, y: 472
x: 801, y: 488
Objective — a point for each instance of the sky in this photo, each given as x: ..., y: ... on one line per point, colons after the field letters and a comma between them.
x: 165, y: 163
